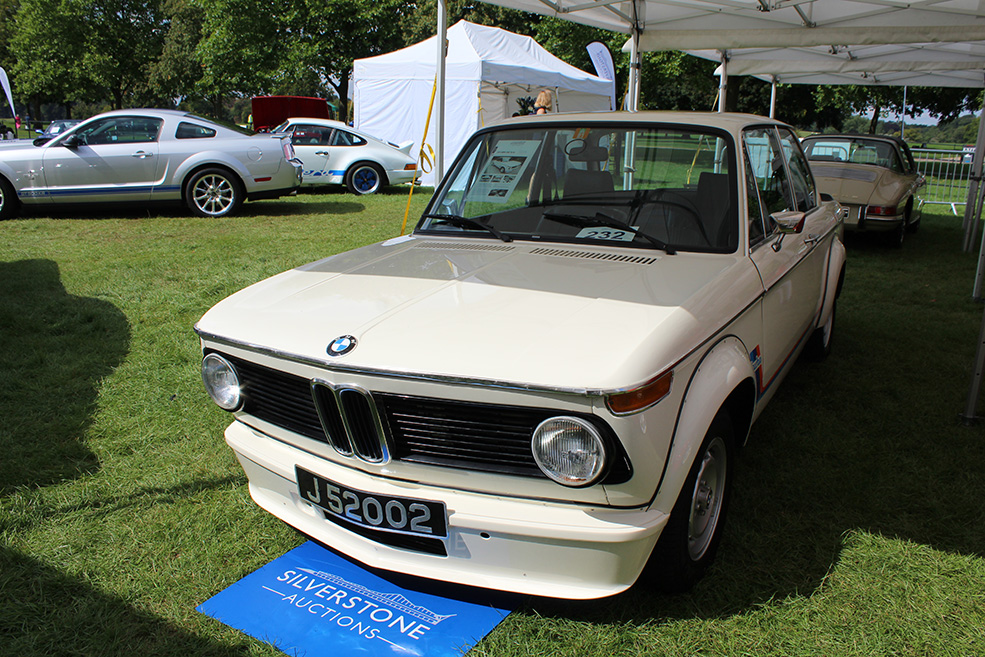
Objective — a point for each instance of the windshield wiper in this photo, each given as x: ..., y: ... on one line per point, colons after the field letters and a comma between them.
x: 609, y: 222
x: 465, y: 222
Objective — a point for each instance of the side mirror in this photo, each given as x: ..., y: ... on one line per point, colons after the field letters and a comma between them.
x: 41, y: 141
x: 826, y: 198
x: 71, y: 141
x: 789, y: 221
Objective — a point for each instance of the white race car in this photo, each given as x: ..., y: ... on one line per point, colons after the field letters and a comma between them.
x: 335, y: 154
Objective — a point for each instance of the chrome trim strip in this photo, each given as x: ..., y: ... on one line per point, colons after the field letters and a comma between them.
x: 407, y: 376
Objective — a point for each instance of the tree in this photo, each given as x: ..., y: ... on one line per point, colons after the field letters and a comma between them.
x: 121, y: 40
x: 240, y: 48
x: 48, y: 49
x: 177, y: 71
x: 322, y: 38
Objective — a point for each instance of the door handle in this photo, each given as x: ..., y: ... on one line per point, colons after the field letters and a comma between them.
x: 812, y: 238
x: 325, y: 153
x: 142, y: 154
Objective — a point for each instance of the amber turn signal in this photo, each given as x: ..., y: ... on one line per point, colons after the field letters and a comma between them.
x: 648, y: 395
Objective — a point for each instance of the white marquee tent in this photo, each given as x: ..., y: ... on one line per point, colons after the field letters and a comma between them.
x: 487, y: 70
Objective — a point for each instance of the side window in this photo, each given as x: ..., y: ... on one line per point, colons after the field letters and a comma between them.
x: 768, y: 168
x: 191, y: 131
x: 343, y: 138
x: 121, y: 130
x: 311, y: 135
x: 800, y: 173
x: 754, y: 208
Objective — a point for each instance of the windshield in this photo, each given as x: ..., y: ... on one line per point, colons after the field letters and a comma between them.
x: 653, y: 186
x: 854, y: 151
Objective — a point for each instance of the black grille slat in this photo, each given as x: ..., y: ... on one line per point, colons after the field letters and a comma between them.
x: 463, y: 435
x: 332, y: 419
x: 279, y: 398
x: 361, y: 425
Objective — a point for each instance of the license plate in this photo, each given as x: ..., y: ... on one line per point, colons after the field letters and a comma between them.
x: 394, y: 514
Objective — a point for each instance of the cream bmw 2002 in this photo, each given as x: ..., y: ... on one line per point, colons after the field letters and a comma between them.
x: 541, y: 389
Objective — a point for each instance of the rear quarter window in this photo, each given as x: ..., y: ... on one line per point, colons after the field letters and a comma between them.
x: 193, y: 131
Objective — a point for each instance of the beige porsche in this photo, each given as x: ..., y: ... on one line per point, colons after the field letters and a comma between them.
x: 873, y: 177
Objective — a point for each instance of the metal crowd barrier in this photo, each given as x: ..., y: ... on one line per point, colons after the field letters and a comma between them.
x: 947, y: 173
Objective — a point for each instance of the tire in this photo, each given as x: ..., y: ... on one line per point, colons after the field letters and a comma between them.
x: 819, y: 344
x: 365, y: 178
x: 690, y: 540
x: 213, y: 192
x: 894, y: 238
x: 911, y: 226
x: 9, y: 204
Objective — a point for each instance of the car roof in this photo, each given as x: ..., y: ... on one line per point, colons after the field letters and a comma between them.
x: 729, y: 121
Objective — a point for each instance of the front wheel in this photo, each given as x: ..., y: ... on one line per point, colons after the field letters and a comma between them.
x: 8, y: 200
x: 365, y: 178
x: 690, y: 540
x: 213, y: 192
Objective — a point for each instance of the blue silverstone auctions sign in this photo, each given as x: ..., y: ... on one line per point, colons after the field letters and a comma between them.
x: 312, y: 602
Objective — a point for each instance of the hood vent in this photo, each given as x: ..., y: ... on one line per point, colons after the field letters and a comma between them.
x: 457, y: 246
x: 595, y: 255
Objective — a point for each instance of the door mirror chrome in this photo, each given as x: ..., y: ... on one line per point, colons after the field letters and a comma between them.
x: 789, y: 221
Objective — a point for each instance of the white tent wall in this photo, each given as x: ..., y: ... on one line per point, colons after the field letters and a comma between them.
x: 487, y: 70
x: 396, y: 111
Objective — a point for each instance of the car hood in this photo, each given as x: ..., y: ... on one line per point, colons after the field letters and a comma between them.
x: 861, y: 184
x: 573, y: 318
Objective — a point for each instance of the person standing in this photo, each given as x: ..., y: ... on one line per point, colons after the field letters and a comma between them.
x: 543, y: 103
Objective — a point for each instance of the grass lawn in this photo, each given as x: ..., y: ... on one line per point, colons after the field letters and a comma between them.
x: 857, y: 527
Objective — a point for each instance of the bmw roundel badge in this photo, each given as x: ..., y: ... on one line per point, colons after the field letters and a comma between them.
x: 342, y: 345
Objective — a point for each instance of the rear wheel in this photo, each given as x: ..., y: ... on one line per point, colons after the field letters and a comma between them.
x: 911, y: 226
x: 819, y: 344
x: 365, y: 178
x: 213, y: 192
x: 8, y: 200
x: 690, y: 540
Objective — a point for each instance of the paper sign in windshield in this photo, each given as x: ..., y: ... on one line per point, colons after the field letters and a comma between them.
x: 312, y: 602
x: 503, y: 171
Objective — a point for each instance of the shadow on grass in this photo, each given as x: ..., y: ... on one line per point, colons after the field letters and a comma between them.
x: 46, y: 612
x: 869, y: 440
x: 54, y: 350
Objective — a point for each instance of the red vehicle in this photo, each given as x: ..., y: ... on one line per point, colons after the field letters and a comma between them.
x: 270, y: 111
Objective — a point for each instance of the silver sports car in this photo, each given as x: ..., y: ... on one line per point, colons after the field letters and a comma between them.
x: 140, y: 156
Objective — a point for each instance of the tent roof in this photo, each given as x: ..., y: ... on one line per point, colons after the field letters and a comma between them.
x: 478, y: 52
x: 915, y: 64
x: 699, y: 24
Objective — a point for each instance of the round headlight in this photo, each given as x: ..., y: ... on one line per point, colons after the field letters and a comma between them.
x: 221, y: 382
x: 569, y: 450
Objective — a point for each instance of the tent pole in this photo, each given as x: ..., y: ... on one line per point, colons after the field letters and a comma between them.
x: 439, y: 81
x: 969, y: 417
x: 633, y: 101
x: 971, y: 218
x: 902, y: 117
x: 723, y: 82
x: 773, y: 96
